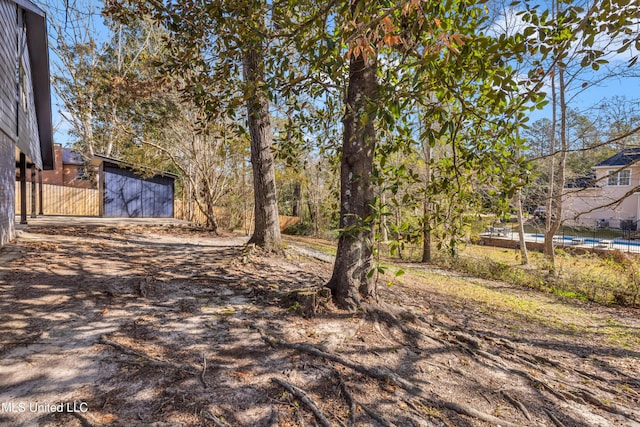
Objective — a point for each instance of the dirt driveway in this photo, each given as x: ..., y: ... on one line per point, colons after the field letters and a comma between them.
x: 143, y: 324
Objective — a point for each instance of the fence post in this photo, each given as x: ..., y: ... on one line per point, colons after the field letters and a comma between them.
x: 33, y: 191
x: 41, y: 211
x: 23, y: 188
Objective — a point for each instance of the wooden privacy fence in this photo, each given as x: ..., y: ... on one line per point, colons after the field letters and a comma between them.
x: 194, y: 214
x: 182, y: 210
x: 59, y: 200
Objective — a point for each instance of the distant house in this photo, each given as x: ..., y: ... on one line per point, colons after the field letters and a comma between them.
x: 25, y: 103
x: 593, y: 202
x: 69, y: 170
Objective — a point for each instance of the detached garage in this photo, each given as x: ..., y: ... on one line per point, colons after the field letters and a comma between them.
x: 126, y: 193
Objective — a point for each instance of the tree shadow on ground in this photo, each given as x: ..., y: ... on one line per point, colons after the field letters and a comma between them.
x: 152, y: 330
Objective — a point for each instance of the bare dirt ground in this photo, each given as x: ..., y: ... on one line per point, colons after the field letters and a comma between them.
x: 139, y: 325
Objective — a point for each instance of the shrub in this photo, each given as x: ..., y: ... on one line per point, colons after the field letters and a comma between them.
x: 300, y: 229
x: 611, y: 280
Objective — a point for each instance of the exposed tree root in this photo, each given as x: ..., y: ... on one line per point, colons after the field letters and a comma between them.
x: 470, y: 412
x: 351, y: 401
x: 304, y: 398
x: 414, y: 410
x: 553, y: 418
x: 518, y: 405
x: 150, y: 361
x: 574, y: 393
x: 531, y: 362
x: 217, y: 422
x: 84, y: 422
x: 609, y: 408
x: 383, y: 374
x: 389, y: 317
x: 273, y: 418
x: 452, y: 369
x: 377, y: 417
x: 204, y: 371
x: 536, y: 373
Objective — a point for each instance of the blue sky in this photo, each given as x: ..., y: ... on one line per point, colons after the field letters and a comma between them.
x: 583, y: 100
x: 628, y: 86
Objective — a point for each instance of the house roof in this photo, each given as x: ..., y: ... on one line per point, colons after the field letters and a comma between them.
x: 585, y: 181
x: 37, y: 43
x: 70, y: 157
x: 622, y: 158
x: 98, y: 159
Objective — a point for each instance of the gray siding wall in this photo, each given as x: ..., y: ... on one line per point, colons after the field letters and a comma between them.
x: 128, y: 195
x: 8, y: 60
x: 7, y: 188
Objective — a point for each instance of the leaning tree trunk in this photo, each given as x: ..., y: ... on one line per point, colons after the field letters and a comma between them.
x: 556, y: 214
x: 549, y: 231
x: 426, y: 206
x: 266, y: 232
x: 523, y: 242
x: 351, y: 282
x: 554, y: 211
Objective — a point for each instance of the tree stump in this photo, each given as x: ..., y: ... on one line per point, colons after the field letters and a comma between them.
x: 308, y: 301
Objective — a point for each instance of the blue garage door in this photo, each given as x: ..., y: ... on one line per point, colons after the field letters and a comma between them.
x: 128, y: 195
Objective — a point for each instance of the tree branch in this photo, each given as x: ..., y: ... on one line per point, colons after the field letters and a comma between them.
x: 304, y: 398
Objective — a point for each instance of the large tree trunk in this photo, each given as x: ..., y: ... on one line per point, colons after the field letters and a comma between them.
x: 266, y: 232
x: 426, y: 205
x: 556, y: 214
x: 554, y: 209
x: 523, y: 242
x: 297, y: 195
x: 351, y: 282
x: 549, y: 226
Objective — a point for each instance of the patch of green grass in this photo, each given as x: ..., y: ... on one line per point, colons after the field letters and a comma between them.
x: 614, y: 279
x: 581, y: 277
x: 325, y: 247
x: 569, y: 294
x: 539, y: 309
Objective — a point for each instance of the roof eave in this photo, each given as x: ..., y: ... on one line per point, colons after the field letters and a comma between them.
x: 37, y: 43
x: 99, y: 158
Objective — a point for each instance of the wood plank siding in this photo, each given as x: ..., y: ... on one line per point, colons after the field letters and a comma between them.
x: 7, y: 180
x: 8, y: 125
x: 8, y: 64
x: 25, y: 104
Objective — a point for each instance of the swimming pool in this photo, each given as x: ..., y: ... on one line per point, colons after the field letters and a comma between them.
x: 570, y: 241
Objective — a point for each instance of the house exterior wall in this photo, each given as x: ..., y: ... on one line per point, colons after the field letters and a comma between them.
x: 578, y: 202
x: 54, y: 177
x: 7, y: 179
x: 8, y: 125
x: 8, y: 61
x: 128, y: 195
x: 71, y: 177
x: 19, y: 126
x: 64, y: 174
